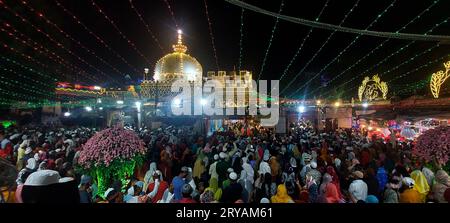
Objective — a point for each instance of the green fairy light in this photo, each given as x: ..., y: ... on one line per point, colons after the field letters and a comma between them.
x: 270, y: 40
x: 346, y: 48
x: 393, y: 54
x: 303, y: 42
x: 409, y: 72
x: 321, y: 47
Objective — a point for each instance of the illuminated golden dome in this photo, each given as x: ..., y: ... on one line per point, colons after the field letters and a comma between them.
x: 178, y: 64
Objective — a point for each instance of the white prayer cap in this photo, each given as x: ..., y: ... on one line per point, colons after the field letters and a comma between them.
x: 222, y: 155
x: 233, y: 176
x: 15, y: 136
x: 216, y: 157
x: 264, y: 201
x: 43, y: 178
x: 230, y: 170
x: 65, y: 179
x: 313, y: 165
x: 28, y: 150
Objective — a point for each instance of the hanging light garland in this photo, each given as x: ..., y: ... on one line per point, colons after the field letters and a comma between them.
x: 241, y: 39
x: 147, y: 26
x: 28, y: 57
x: 171, y: 13
x: 211, y: 34
x: 412, y: 87
x: 405, y: 62
x: 379, y: 46
x: 297, y: 53
x: 100, y: 40
x: 99, y: 10
x: 321, y: 48
x: 24, y: 86
x: 49, y: 85
x: 274, y: 29
x: 431, y: 62
x: 26, y: 68
x: 401, y: 49
x: 42, y: 16
x: 40, y: 49
x: 60, y: 45
x: 346, y: 48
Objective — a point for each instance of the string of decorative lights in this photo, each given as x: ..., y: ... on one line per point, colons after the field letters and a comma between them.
x: 147, y: 26
x: 403, y: 48
x: 297, y: 53
x: 42, y: 16
x: 241, y: 39
x: 27, y: 57
x: 27, y: 87
x: 418, y: 68
x: 269, y: 45
x: 412, y: 87
x: 321, y: 48
x: 48, y: 103
x: 379, y: 46
x: 50, y: 84
x: 99, y: 10
x: 405, y: 36
x: 346, y: 48
x: 100, y: 40
x: 406, y: 73
x: 26, y: 44
x: 393, y: 54
x: 385, y: 41
x: 411, y: 59
x: 60, y: 45
x: 40, y: 49
x: 171, y: 13
x: 16, y: 95
x: 27, y: 68
x: 211, y: 34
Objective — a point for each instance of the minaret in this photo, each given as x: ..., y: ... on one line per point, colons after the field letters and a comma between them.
x: 179, y: 47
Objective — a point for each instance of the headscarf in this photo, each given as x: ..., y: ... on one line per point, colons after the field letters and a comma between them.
x: 214, y: 187
x: 281, y: 196
x: 148, y: 178
x: 207, y: 197
x: 335, y: 179
x: 326, y: 179
x: 442, y: 177
x: 371, y: 199
x: 328, y: 190
x: 421, y: 184
x: 274, y: 166
x: 429, y: 175
x: 31, y: 164
x: 382, y: 178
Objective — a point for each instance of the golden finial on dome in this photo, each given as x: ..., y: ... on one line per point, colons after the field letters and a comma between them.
x: 179, y: 47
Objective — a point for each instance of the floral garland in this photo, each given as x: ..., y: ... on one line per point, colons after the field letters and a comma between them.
x: 111, y: 154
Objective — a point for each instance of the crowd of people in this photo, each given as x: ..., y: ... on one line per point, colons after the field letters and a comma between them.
x: 253, y: 165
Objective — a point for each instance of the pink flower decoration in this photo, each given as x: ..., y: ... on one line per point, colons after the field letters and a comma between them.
x: 434, y: 144
x: 109, y: 145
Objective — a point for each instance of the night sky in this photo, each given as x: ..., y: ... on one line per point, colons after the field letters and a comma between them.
x: 106, y: 68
